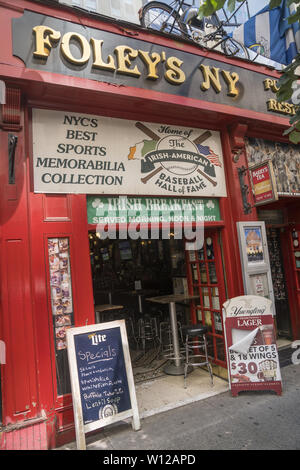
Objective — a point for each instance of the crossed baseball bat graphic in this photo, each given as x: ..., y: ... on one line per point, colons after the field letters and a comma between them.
x: 155, y: 137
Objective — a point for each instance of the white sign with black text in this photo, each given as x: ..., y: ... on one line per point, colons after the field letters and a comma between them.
x: 88, y: 154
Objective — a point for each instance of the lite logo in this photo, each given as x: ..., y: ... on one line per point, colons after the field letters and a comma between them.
x: 97, y: 338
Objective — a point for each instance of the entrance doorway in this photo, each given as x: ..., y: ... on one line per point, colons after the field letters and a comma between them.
x: 282, y: 307
x: 127, y: 272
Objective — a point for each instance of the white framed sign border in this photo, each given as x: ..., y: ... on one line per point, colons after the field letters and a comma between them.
x: 80, y: 428
x: 78, y: 153
x: 257, y: 267
x: 249, y: 313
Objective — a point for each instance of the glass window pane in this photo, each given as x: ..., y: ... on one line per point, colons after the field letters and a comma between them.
x: 205, y: 297
x: 209, y: 248
x: 196, y: 291
x: 215, y: 298
x: 194, y: 272
x: 199, y: 316
x: 201, y: 254
x: 208, y: 322
x: 212, y: 273
x: 218, y: 322
x: 203, y: 275
x: 62, y: 306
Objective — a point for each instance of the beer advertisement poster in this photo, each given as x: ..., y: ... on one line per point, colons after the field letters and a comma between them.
x: 263, y: 183
x: 253, y: 362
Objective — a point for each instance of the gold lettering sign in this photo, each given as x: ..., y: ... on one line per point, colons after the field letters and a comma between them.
x: 97, y: 53
x: 78, y: 50
x: 281, y: 107
x: 231, y: 79
x: 125, y: 55
x: 174, y: 74
x: 151, y: 63
x: 44, y: 36
x: 211, y: 76
x: 83, y: 43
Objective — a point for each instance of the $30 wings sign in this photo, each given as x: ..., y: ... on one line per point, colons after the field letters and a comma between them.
x: 252, y: 355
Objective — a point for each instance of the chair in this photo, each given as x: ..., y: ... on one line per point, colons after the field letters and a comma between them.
x: 147, y: 331
x: 195, y: 348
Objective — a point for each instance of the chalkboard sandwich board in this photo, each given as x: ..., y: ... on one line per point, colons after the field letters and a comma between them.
x: 101, y: 377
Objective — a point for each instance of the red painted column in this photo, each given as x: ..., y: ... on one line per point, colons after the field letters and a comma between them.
x: 29, y: 387
x: 232, y: 207
x: 19, y: 381
x: 52, y: 216
x: 58, y: 216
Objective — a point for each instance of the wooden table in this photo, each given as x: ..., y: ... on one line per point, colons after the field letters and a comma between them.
x: 176, y: 368
x: 100, y: 309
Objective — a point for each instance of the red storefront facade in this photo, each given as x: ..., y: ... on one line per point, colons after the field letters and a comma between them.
x: 36, y: 413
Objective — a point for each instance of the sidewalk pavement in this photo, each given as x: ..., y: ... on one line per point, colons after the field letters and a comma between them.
x: 251, y: 421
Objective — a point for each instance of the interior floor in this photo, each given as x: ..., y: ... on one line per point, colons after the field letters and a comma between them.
x: 168, y: 392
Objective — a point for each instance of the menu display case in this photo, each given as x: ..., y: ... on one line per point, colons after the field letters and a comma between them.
x: 255, y: 259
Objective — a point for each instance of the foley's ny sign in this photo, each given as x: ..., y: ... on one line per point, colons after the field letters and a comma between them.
x: 50, y: 44
x: 123, y: 60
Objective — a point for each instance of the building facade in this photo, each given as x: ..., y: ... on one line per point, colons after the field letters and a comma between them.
x: 103, y: 122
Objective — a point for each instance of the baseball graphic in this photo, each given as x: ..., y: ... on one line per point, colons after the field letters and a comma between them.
x: 180, y: 145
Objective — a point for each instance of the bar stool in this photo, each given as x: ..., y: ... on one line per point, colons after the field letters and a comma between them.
x: 165, y: 338
x: 147, y: 331
x: 196, y: 347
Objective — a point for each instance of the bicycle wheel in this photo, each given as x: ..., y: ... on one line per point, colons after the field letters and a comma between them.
x: 233, y: 48
x: 161, y: 17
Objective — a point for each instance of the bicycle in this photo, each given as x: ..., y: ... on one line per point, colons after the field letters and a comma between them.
x: 180, y: 19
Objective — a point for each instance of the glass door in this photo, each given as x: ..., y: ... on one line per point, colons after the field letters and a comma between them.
x: 279, y: 282
x: 205, y: 278
x: 295, y: 294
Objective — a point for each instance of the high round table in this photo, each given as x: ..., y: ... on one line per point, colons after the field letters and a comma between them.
x: 176, y: 367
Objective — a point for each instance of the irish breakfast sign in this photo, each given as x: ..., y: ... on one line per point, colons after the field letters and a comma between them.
x: 88, y: 154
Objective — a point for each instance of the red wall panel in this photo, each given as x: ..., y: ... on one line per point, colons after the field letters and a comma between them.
x: 16, y: 310
x: 19, y: 384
